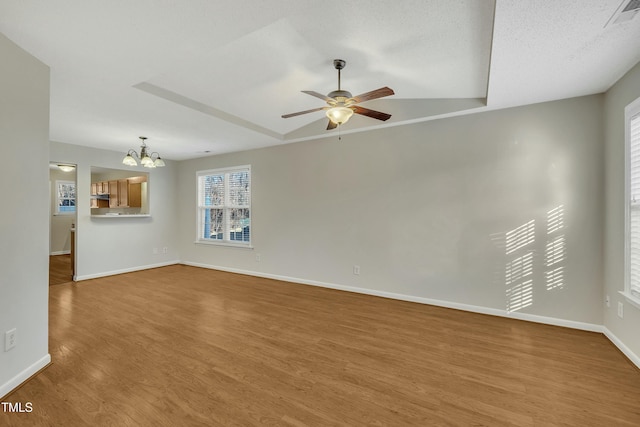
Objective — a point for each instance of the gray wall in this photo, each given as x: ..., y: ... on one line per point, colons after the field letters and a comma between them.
x: 425, y: 210
x: 24, y: 222
x: 617, y: 98
x: 114, y: 245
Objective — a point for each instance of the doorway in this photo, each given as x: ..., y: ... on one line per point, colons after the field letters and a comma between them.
x: 62, y: 222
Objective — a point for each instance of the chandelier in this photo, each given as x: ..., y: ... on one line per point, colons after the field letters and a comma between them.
x: 147, y: 160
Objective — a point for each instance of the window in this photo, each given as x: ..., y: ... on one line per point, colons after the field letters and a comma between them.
x: 65, y: 197
x: 224, y: 206
x: 632, y: 137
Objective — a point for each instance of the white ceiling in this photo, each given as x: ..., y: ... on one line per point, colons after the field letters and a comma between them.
x: 203, y: 77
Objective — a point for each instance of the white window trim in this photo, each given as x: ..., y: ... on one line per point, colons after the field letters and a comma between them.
x: 228, y: 243
x: 57, y: 206
x: 630, y: 111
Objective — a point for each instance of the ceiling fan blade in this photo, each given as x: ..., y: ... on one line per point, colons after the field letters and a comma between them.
x: 286, y: 116
x: 331, y: 125
x: 374, y: 94
x: 318, y: 95
x: 370, y: 113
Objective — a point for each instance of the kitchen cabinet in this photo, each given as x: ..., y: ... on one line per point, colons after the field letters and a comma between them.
x: 102, y: 187
x: 114, y: 202
x: 119, y: 192
x: 123, y: 193
x: 135, y: 194
x: 99, y: 203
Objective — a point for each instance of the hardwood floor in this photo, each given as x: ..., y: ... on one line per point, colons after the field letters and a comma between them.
x: 59, y: 269
x: 184, y: 346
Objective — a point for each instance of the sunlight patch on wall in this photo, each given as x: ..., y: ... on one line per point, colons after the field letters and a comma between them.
x: 554, y: 278
x: 555, y: 219
x: 555, y: 251
x: 520, y: 237
x: 519, y: 281
x: 519, y: 270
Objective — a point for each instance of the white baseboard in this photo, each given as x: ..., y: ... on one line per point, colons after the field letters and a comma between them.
x: 124, y: 270
x: 402, y: 297
x: 14, y: 382
x: 60, y: 253
x: 621, y: 346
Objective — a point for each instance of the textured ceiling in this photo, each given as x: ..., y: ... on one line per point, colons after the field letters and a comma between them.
x: 202, y: 76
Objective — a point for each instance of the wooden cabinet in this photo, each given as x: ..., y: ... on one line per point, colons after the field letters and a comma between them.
x: 135, y: 194
x: 113, y: 194
x: 102, y: 187
x: 99, y: 203
x: 122, y: 193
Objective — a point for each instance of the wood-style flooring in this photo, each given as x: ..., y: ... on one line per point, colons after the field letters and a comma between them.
x: 184, y: 346
x: 60, y: 269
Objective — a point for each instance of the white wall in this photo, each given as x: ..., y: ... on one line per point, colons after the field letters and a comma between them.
x: 60, y: 225
x: 24, y: 222
x: 114, y: 245
x: 617, y: 98
x: 425, y: 209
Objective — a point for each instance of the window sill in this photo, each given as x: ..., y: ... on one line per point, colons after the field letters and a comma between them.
x: 227, y: 244
x: 121, y: 216
x: 631, y: 299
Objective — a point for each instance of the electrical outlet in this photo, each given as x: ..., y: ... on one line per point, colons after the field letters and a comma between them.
x: 356, y: 270
x: 607, y: 301
x: 165, y: 250
x: 258, y: 257
x: 620, y: 310
x: 9, y: 339
x: 155, y: 251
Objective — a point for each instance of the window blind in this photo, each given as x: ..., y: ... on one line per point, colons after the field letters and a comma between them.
x: 634, y: 205
x: 224, y: 206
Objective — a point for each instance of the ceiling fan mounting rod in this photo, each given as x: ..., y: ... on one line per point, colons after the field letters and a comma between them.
x: 339, y: 64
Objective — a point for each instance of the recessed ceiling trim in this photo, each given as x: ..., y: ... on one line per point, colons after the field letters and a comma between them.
x: 627, y: 10
x: 204, y: 108
x: 424, y: 109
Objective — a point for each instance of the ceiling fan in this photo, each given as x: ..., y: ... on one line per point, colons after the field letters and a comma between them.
x: 342, y: 105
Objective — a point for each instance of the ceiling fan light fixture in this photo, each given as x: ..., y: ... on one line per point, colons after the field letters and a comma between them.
x: 339, y: 115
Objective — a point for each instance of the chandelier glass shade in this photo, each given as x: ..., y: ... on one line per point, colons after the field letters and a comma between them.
x: 146, y: 159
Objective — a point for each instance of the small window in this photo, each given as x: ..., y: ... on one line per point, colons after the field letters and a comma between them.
x: 65, y: 197
x: 224, y: 206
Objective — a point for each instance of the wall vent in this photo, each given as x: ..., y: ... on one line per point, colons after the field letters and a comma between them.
x: 625, y: 12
